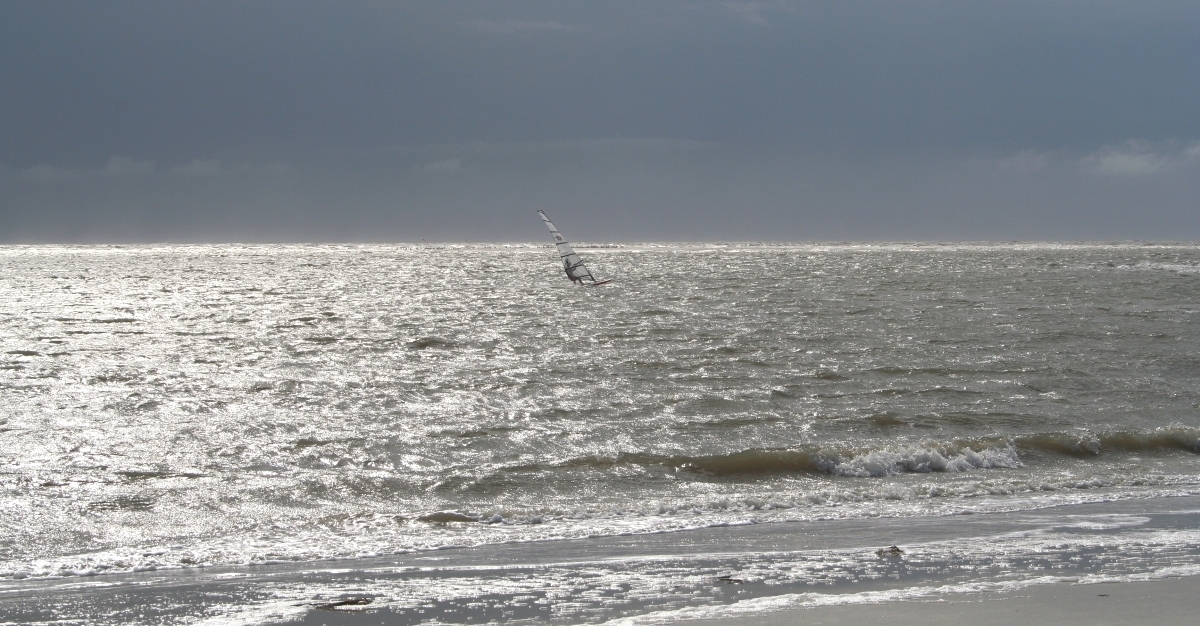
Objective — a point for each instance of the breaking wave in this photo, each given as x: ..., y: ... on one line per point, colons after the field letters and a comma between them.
x: 1084, y: 443
x: 951, y: 456
x: 813, y: 459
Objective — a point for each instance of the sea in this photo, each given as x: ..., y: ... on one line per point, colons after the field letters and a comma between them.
x: 254, y: 434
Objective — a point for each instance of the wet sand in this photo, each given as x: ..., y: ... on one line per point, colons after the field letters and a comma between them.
x: 1169, y: 601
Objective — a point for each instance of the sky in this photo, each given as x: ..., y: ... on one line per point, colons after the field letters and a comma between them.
x: 770, y: 120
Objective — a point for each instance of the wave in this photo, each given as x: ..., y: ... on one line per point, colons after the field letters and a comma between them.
x: 1179, y: 268
x: 1088, y: 444
x: 882, y: 462
x: 814, y: 459
x: 921, y: 457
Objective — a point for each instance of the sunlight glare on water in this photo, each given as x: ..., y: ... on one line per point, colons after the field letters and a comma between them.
x: 169, y: 406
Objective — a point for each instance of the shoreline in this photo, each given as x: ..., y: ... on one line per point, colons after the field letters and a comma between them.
x: 1051, y: 564
x: 1168, y: 601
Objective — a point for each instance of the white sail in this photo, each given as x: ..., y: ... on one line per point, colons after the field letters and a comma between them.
x: 572, y: 264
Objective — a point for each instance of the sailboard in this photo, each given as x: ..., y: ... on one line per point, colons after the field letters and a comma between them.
x: 572, y: 264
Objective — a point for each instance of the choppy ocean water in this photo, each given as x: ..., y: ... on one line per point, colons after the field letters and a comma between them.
x: 189, y: 407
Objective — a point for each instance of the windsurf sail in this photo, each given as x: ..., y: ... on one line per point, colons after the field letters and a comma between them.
x: 572, y: 264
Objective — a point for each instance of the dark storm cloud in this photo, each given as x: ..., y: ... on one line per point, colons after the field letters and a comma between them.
x: 626, y: 120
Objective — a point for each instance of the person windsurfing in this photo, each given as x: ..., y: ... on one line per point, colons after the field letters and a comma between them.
x: 573, y: 278
x: 572, y: 264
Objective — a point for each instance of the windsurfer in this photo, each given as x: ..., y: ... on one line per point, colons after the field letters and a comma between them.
x: 567, y: 267
x: 572, y: 264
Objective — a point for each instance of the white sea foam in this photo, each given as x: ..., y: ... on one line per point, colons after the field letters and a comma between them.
x: 888, y: 462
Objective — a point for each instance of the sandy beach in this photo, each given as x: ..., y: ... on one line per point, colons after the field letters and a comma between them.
x: 1169, y: 602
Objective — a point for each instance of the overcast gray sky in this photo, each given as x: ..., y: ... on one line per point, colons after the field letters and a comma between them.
x: 449, y: 121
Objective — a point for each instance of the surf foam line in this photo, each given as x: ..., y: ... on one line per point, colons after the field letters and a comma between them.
x: 773, y: 604
x: 452, y: 530
x: 584, y: 580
